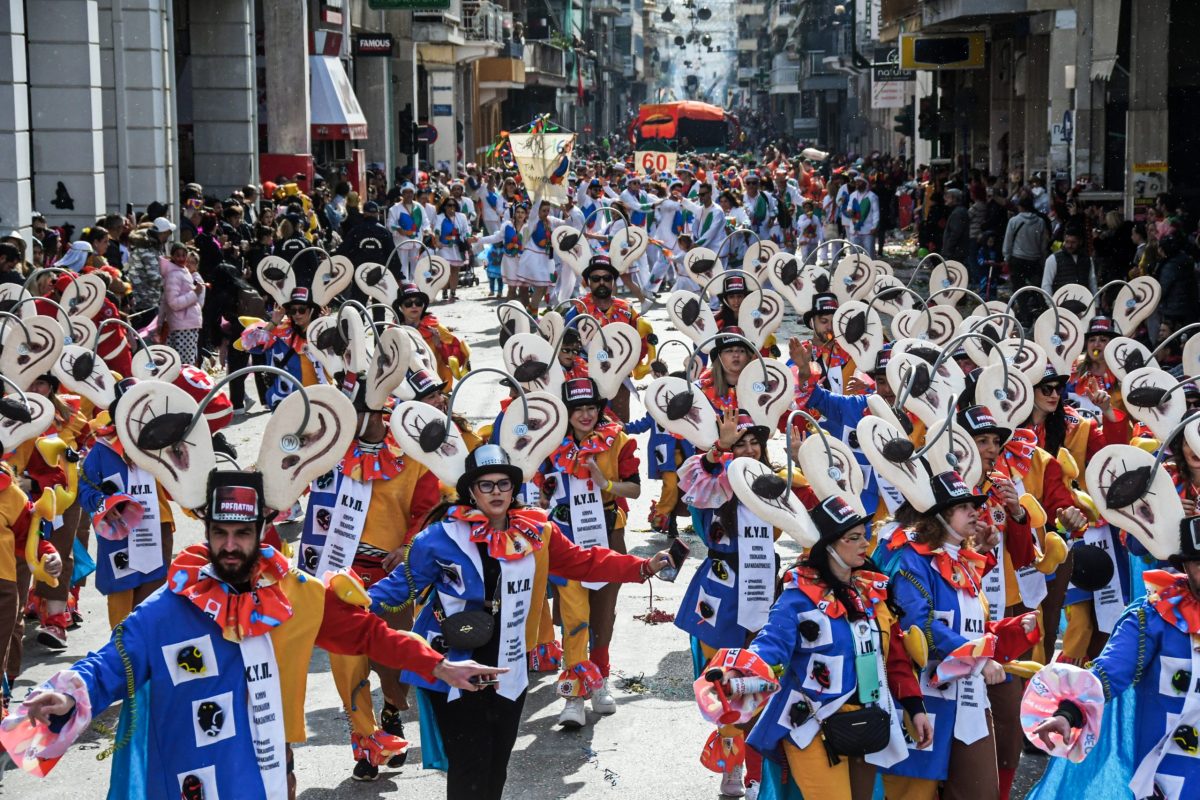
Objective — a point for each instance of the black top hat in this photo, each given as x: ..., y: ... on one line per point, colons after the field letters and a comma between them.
x: 423, y: 383
x: 1102, y: 326
x: 949, y: 490
x: 410, y: 290
x: 1189, y: 542
x: 599, y: 262
x: 482, y: 460
x: 1052, y: 374
x: 733, y: 284
x: 746, y: 423
x: 823, y: 303
x: 724, y: 342
x: 581, y: 392
x: 833, y: 516
x: 977, y: 420
x: 881, y: 359
x: 235, y: 496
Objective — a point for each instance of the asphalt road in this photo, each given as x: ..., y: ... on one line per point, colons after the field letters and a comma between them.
x: 649, y: 749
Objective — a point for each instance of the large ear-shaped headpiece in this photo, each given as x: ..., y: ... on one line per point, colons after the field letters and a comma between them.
x: 529, y: 440
x: 1061, y: 337
x: 277, y: 279
x: 164, y: 358
x: 23, y: 416
x: 766, y: 397
x: 683, y: 410
x: 333, y: 276
x: 1134, y: 492
x: 853, y: 278
x: 291, y: 457
x: 702, y: 263
x: 892, y: 455
x: 432, y: 274
x: 949, y: 278
x: 612, y: 355
x: 377, y: 282
x: 571, y: 247
x: 1124, y: 355
x: 627, y: 246
x: 1008, y: 394
x: 389, y: 365
x: 530, y: 359
x: 758, y: 258
x: 1135, y: 302
x: 1149, y: 399
x: 691, y: 316
x: 84, y: 373
x: 84, y: 296
x: 831, y: 469
x: 771, y: 499
x: 760, y: 315
x: 28, y: 347
x: 859, y: 331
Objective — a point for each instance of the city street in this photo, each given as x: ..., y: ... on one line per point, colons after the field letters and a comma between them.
x: 649, y: 749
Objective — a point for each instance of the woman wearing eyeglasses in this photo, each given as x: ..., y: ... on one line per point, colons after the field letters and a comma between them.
x: 283, y: 345
x: 451, y: 353
x: 487, y: 557
x: 585, y: 484
x: 452, y: 241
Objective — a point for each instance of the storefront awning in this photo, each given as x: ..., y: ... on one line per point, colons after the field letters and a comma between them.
x: 336, y: 113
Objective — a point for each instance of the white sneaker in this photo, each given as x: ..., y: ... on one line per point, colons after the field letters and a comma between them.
x: 573, y: 716
x: 731, y: 782
x: 602, y: 700
x: 752, y: 790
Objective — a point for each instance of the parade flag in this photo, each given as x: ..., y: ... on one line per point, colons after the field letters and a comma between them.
x: 543, y: 159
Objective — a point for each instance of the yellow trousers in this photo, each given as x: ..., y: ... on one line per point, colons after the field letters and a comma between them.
x: 668, y: 496
x: 352, y: 677
x: 851, y: 779
x: 588, y: 615
x: 1082, y: 640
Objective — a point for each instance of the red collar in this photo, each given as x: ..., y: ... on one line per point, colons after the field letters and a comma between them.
x: 572, y: 457
x: 871, y: 586
x: 524, y: 534
x: 384, y: 464
x: 965, y: 572
x: 240, y: 614
x: 1173, y: 599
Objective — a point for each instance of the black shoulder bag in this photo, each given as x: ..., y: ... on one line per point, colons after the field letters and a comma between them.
x: 467, y: 630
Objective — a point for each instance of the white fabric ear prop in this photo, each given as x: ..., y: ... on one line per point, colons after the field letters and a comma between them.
x: 909, y: 323
x: 514, y: 318
x: 13, y: 297
x: 1191, y: 357
x: 1010, y: 400
x: 84, y: 296
x: 530, y: 359
x: 432, y: 274
x: 691, y: 317
x: 277, y: 279
x: 588, y: 327
x: 1137, y: 496
x: 1025, y: 356
x: 766, y: 398
x: 1061, y: 338
x: 1147, y: 401
x: 943, y: 322
x: 853, y: 278
x: 82, y: 330
x: 882, y: 270
x: 1124, y: 355
x: 1073, y: 297
x: 844, y: 476
x: 550, y: 326
x: 421, y: 430
x: 955, y: 450
x: 860, y: 331
x: 420, y: 356
x: 529, y: 442
x: 945, y: 276
x: 1135, y: 302
x: 997, y: 330
x: 353, y: 330
x: 759, y: 315
x: 929, y: 399
x: 1191, y: 434
x: 878, y: 407
x: 758, y: 257
x: 389, y: 366
x: 152, y: 420
x: 784, y: 272
x: 627, y: 246
x: 84, y: 373
x: 683, y: 410
x: 571, y: 247
x: 612, y: 355
x: 771, y: 499
x: 891, y: 454
x: 702, y: 263
x: 376, y: 282
x: 891, y: 303
x: 320, y: 342
x: 164, y: 357
x: 23, y: 359
x: 332, y: 277
x: 23, y: 419
x: 289, y: 463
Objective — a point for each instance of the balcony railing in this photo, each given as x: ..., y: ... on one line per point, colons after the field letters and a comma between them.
x: 544, y: 59
x: 486, y: 21
x: 785, y: 80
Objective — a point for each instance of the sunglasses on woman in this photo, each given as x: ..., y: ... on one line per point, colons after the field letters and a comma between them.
x: 1050, y: 389
x: 414, y: 303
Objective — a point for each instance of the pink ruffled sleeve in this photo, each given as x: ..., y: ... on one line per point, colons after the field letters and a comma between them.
x: 701, y: 488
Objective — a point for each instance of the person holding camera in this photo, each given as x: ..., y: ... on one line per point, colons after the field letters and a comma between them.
x: 477, y: 570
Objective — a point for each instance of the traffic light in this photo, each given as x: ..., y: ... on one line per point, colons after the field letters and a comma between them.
x: 406, y: 131
x: 904, y: 122
x: 929, y: 122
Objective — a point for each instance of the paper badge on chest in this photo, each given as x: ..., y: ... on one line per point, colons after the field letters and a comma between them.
x: 212, y: 719
x: 191, y: 660
x: 451, y: 575
x: 824, y: 674
x: 198, y: 784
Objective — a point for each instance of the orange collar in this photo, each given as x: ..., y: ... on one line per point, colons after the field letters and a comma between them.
x: 871, y: 590
x: 964, y: 572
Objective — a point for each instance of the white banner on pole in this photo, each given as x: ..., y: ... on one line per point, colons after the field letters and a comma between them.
x: 544, y: 159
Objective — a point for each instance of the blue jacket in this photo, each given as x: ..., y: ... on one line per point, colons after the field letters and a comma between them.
x: 281, y: 354
x: 664, y: 448
x: 839, y: 416
x: 112, y: 557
